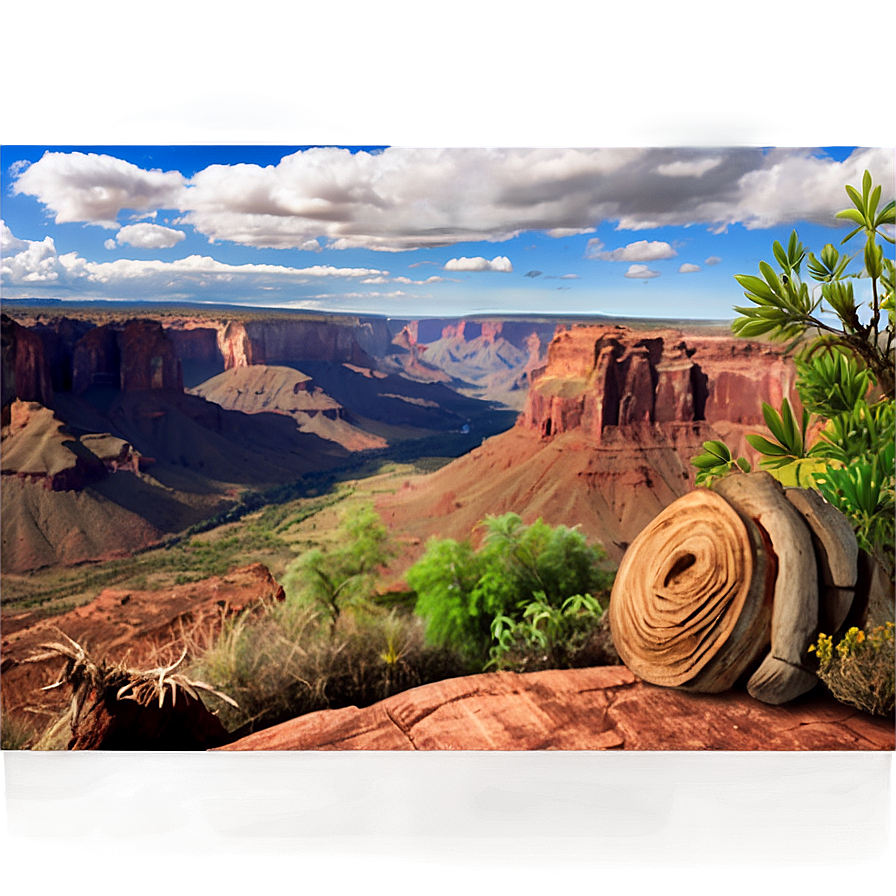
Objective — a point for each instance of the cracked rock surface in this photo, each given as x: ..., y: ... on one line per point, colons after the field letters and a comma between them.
x: 603, y: 708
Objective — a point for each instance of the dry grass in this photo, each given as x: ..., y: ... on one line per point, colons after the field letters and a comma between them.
x: 281, y: 661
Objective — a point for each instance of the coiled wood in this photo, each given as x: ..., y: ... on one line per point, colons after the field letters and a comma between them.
x: 691, y: 606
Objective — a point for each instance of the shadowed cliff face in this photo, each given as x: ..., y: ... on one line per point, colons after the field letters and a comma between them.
x: 26, y: 373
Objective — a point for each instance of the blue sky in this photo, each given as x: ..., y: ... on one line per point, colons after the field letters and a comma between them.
x: 622, y: 158
x: 406, y: 232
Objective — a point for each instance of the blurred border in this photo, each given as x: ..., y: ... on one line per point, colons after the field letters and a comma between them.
x: 465, y: 73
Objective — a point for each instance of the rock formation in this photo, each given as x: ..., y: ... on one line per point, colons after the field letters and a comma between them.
x: 139, y: 626
x: 611, y: 382
x: 602, y: 708
x: 25, y: 371
x: 148, y: 359
x: 605, y: 439
x: 283, y: 341
x: 96, y: 360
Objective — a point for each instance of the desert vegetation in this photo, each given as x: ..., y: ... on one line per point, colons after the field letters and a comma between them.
x: 841, y: 443
x: 526, y: 590
x: 336, y: 640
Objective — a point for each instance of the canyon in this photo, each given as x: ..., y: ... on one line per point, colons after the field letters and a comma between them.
x: 605, y: 438
x: 142, y: 425
x: 119, y: 431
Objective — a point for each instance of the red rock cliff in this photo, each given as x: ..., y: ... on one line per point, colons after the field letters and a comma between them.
x: 282, y: 341
x: 26, y: 373
x: 148, y: 359
x: 613, y: 383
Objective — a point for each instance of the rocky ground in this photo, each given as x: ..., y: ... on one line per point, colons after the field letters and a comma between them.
x: 603, y: 708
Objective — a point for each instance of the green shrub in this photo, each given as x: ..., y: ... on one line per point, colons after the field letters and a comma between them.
x: 546, y: 637
x: 462, y: 591
x: 859, y: 671
x: 15, y: 733
x: 343, y: 574
x: 284, y: 661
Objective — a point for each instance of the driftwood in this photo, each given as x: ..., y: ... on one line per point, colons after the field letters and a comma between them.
x: 690, y: 606
x: 116, y: 708
x: 731, y: 584
x: 782, y: 675
x: 837, y: 553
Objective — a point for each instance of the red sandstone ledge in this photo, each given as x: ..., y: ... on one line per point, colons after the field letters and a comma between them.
x: 603, y: 708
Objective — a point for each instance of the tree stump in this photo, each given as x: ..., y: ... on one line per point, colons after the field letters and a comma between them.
x: 727, y: 584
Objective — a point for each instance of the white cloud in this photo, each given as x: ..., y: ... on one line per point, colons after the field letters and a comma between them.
x: 688, y: 268
x: 95, y: 188
x: 500, y: 263
x: 569, y: 276
x: 560, y: 232
x: 404, y: 198
x: 9, y: 244
x: 642, y: 250
x: 149, y: 236
x: 687, y: 168
x: 27, y: 263
x: 110, y: 244
x: 641, y: 272
x: 713, y: 259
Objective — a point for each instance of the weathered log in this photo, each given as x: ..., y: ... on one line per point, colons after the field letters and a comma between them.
x: 691, y: 606
x: 783, y: 674
x: 837, y: 552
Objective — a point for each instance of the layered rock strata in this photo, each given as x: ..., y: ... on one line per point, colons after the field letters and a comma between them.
x: 614, y: 384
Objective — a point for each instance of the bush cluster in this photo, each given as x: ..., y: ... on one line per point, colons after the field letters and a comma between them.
x: 461, y: 592
x: 859, y: 670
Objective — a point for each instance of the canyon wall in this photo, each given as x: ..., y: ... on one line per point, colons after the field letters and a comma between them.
x: 25, y: 371
x: 614, y: 384
x: 285, y: 341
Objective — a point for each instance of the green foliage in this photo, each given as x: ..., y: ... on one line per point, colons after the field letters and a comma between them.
x: 717, y: 461
x: 859, y: 671
x: 831, y: 381
x: 545, y: 636
x: 784, y: 308
x: 846, y: 449
x: 863, y: 491
x: 344, y: 573
x: 461, y: 591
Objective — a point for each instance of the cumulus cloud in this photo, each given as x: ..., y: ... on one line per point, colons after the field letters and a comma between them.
x: 642, y: 250
x: 110, y: 244
x: 403, y: 198
x: 688, y: 268
x: 149, y: 236
x: 31, y: 262
x: 94, y: 188
x: 500, y: 263
x: 713, y: 259
x: 641, y: 272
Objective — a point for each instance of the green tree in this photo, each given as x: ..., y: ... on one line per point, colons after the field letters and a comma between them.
x: 461, y: 591
x: 845, y: 374
x: 343, y: 574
